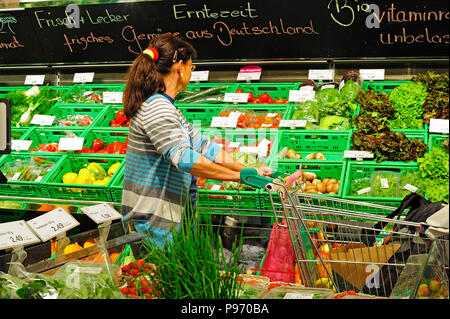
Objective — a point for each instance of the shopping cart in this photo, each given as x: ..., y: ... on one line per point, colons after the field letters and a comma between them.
x: 347, y: 245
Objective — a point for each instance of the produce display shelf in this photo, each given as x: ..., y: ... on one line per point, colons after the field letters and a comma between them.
x: 107, y: 135
x: 104, y: 119
x: 275, y: 90
x: 116, y: 187
x: 323, y: 169
x: 435, y: 140
x: 222, y: 88
x: 96, y: 88
x: 363, y: 170
x: 30, y: 188
x: 380, y: 86
x: 73, y: 163
x: 49, y: 135
x: 18, y: 133
x: 199, y: 114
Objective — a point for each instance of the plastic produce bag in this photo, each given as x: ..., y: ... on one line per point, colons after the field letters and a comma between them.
x: 350, y: 91
x: 327, y: 95
x: 280, y: 258
x: 9, y: 286
x: 309, y: 110
x: 86, y: 280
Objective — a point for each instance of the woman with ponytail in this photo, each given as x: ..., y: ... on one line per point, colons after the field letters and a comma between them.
x: 165, y: 153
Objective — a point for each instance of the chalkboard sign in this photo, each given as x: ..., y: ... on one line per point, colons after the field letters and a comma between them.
x: 234, y: 29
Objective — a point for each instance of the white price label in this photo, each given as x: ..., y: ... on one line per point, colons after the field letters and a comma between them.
x: 411, y: 188
x: 101, y: 213
x: 34, y: 79
x: 236, y: 97
x: 372, y: 74
x: 224, y: 122
x: 384, y: 183
x: 306, y: 88
x: 358, y: 154
x: 364, y: 190
x: 263, y: 147
x: 271, y: 115
x: 328, y: 86
x: 249, y: 149
x: 323, y: 75
x: 16, y: 176
x: 15, y: 234
x: 21, y: 145
x: 294, y: 295
x: 341, y: 85
x: 215, y: 187
x: 39, y: 179
x: 234, y: 145
x: 112, y: 97
x: 234, y: 114
x: 249, y: 76
x: 52, y: 224
x: 293, y: 123
x: 438, y: 126
x: 198, y: 76
x: 70, y: 143
x: 301, y: 96
x: 42, y: 120
x: 85, y: 77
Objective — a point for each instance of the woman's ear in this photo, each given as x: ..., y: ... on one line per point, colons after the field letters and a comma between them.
x: 180, y: 67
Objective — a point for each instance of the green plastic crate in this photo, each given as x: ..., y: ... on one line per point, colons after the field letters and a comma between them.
x: 435, y: 140
x: 323, y: 169
x: 27, y: 188
x: 198, y: 87
x: 116, y: 187
x: 199, y: 114
x: 331, y: 145
x: 104, y: 119
x: 275, y: 90
x: 108, y: 136
x: 17, y: 133
x: 73, y: 163
x: 380, y: 86
x: 357, y: 170
x: 49, y: 135
x: 96, y: 88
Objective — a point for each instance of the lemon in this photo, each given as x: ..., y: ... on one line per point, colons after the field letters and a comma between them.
x: 69, y: 178
x: 113, y: 169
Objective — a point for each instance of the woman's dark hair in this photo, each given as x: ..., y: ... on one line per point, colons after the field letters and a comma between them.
x: 144, y: 77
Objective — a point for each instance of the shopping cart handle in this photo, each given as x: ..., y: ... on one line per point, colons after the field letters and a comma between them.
x: 250, y: 177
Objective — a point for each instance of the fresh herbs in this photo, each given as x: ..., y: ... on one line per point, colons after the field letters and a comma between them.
x: 374, y: 136
x: 434, y: 170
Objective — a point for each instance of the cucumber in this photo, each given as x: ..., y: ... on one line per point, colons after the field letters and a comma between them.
x: 218, y: 98
x: 204, y: 93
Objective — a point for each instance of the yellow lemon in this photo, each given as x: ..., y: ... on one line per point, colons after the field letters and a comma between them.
x: 113, y: 168
x: 69, y: 178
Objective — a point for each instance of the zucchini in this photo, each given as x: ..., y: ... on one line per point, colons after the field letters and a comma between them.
x: 204, y: 93
x: 218, y: 98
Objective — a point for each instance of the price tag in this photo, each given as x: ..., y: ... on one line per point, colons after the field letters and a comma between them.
x: 234, y: 145
x: 364, y: 190
x: 198, y: 76
x: 101, y: 213
x: 263, y: 147
x: 341, y: 85
x: 15, y: 234
x: 411, y: 188
x: 249, y: 149
x: 236, y: 97
x: 306, y: 88
x: 301, y: 96
x: 329, y: 86
x: 34, y: 79
x: 42, y: 120
x: 224, y: 122
x: 372, y: 74
x: 70, y: 143
x: 21, y: 145
x: 112, y: 97
x: 293, y: 123
x: 271, y: 115
x: 86, y: 77
x: 292, y: 295
x: 234, y: 114
x: 215, y: 187
x: 16, y: 176
x: 39, y: 179
x: 322, y: 75
x: 358, y: 154
x: 384, y: 183
x: 249, y: 76
x: 52, y: 224
x: 438, y: 126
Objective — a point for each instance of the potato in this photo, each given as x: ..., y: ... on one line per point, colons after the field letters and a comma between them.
x: 321, y: 187
x: 320, y: 156
x: 309, y: 176
x: 311, y: 156
x: 311, y: 186
x: 335, y: 188
x: 314, y: 182
x: 311, y: 191
x: 326, y: 180
x: 330, y: 187
x: 332, y: 193
x: 332, y: 181
x: 291, y: 154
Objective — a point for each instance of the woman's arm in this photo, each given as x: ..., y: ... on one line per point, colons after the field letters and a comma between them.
x: 226, y: 160
x: 204, y: 168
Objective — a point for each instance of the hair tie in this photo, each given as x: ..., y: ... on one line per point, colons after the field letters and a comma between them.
x: 152, y: 53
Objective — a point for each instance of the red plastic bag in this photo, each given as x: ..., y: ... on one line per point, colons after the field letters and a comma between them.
x: 279, y: 263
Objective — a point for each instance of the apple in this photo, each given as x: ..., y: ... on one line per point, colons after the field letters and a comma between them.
x: 423, y: 290
x: 434, y: 285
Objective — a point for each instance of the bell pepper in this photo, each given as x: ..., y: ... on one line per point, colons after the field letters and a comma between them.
x: 120, y: 117
x: 113, y: 169
x: 85, y: 150
x: 97, y: 145
x: 96, y: 170
x: 114, y: 123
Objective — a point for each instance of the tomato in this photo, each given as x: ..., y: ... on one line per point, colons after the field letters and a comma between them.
x: 86, y: 121
x: 264, y: 97
x: 279, y: 101
x: 286, y: 101
x: 120, y: 117
x: 257, y: 100
x: 239, y: 91
x: 270, y: 100
x: 250, y: 96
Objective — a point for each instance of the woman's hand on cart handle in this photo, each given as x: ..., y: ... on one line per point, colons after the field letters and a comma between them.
x: 265, y: 170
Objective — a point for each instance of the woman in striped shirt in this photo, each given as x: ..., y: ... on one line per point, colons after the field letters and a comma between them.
x: 165, y: 153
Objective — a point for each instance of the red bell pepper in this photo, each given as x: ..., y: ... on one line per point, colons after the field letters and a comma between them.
x: 120, y: 117
x: 85, y: 150
x: 97, y: 145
